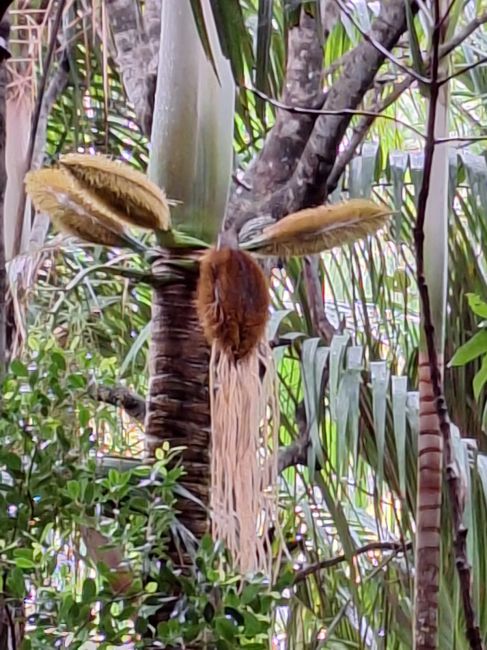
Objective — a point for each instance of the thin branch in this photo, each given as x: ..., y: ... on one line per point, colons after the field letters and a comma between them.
x: 322, y: 111
x: 462, y: 35
x: 466, y: 68
x: 361, y: 131
x: 397, y: 547
x: 453, y: 479
x: 462, y: 138
x: 133, y: 404
x: 321, y: 324
x: 384, y: 51
x: 297, y: 452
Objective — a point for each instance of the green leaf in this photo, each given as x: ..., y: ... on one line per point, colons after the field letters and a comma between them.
x: 470, y: 350
x: 89, y: 590
x: 249, y: 593
x: 58, y: 360
x: 225, y: 628
x: 23, y: 558
x: 15, y: 583
x: 199, y: 19
x: 477, y: 305
x: 253, y: 625
x: 19, y: 369
x: 73, y: 489
x: 480, y: 378
x: 264, y: 34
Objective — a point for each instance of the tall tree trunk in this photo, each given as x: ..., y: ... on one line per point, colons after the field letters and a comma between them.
x: 430, y: 443
x: 178, y: 403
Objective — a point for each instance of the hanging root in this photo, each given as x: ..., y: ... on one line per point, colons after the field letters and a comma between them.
x: 244, y: 455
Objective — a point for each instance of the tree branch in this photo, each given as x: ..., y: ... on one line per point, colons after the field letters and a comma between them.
x: 303, y: 85
x: 297, y: 452
x: 302, y: 574
x: 462, y: 35
x: 307, y: 186
x: 361, y: 131
x: 136, y: 54
x: 133, y: 404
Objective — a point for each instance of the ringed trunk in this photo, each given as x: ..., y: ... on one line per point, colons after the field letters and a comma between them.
x: 178, y: 408
x: 428, y: 509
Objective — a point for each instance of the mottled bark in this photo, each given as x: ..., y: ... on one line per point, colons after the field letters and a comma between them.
x: 284, y: 145
x: 136, y: 53
x: 307, y: 186
x: 133, y: 404
x: 178, y: 408
x: 303, y: 86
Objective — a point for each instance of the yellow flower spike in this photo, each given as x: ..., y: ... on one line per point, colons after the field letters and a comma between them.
x: 72, y: 209
x: 314, y: 230
x: 129, y: 193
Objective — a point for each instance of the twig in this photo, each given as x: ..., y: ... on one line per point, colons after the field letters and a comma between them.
x: 462, y: 138
x: 324, y: 111
x: 343, y: 609
x: 466, y: 68
x: 360, y: 132
x: 302, y: 574
x: 458, y: 39
x: 380, y: 48
x: 296, y: 452
x: 453, y: 481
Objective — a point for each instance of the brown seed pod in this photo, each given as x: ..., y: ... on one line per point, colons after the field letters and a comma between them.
x: 73, y: 209
x: 232, y: 301
x: 318, y: 229
x: 129, y: 193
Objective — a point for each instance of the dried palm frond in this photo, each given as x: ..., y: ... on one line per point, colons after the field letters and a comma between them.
x: 73, y: 209
x: 233, y: 305
x: 129, y: 193
x: 314, y: 230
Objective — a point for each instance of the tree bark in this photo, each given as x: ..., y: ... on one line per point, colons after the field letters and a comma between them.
x: 428, y: 517
x: 178, y: 408
x: 307, y: 185
x: 136, y: 54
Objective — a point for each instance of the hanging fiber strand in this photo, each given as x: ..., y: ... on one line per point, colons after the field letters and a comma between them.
x: 233, y: 305
x: 244, y: 460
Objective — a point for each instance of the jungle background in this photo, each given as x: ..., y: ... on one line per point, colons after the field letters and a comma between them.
x: 288, y: 103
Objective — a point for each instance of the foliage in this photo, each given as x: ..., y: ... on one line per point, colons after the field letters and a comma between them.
x: 357, y: 484
x: 475, y: 347
x: 53, y: 487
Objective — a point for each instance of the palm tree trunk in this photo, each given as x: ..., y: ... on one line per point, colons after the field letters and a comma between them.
x: 430, y: 443
x: 178, y: 402
x: 428, y: 509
